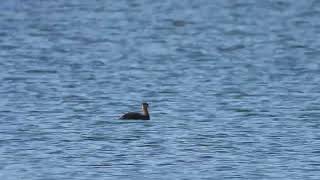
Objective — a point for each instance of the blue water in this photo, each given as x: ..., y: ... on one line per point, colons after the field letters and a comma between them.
x: 233, y: 88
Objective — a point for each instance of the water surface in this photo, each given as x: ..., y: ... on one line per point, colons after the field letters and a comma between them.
x: 233, y: 88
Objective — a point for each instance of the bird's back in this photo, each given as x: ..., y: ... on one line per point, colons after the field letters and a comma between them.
x: 134, y: 115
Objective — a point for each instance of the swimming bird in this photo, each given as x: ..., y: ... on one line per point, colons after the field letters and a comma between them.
x: 136, y: 115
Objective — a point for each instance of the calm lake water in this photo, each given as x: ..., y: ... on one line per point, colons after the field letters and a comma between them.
x: 233, y: 88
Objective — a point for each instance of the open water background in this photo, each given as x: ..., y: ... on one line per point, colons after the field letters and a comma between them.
x: 233, y: 88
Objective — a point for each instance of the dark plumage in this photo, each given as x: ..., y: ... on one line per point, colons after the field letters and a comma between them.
x: 136, y: 115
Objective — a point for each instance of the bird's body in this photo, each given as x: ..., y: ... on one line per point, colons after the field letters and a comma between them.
x: 136, y: 115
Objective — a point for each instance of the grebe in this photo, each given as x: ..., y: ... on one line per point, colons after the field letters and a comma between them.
x: 136, y: 115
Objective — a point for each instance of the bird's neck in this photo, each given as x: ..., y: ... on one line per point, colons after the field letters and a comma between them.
x: 145, y: 111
